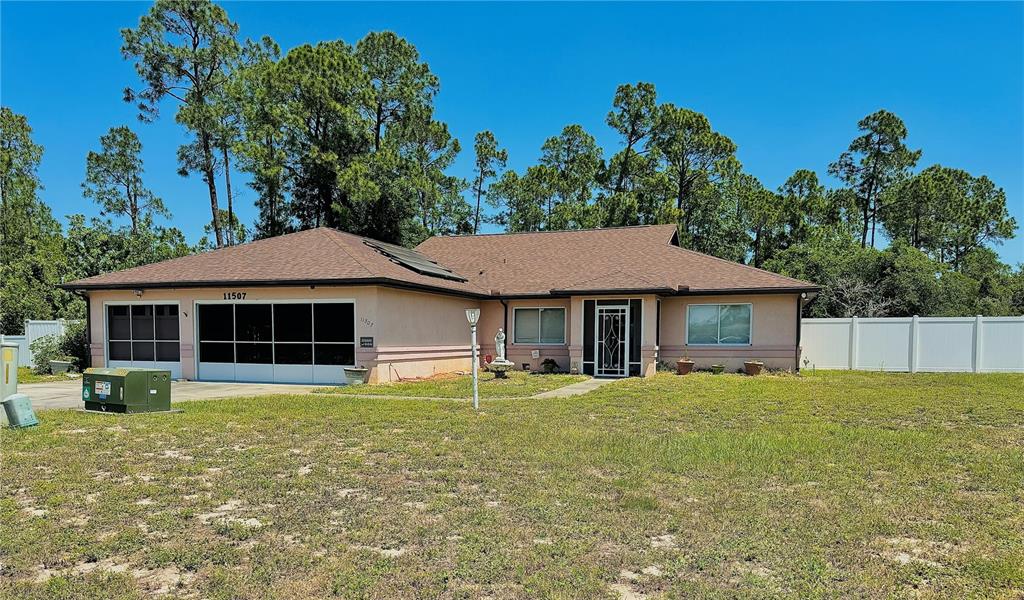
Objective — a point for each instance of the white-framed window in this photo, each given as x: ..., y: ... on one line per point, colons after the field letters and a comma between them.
x: 538, y: 325
x: 718, y: 324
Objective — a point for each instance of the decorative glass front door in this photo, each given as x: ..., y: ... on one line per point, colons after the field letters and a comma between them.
x: 612, y: 341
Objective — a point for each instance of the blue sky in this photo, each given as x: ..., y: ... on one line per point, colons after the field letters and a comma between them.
x: 787, y: 82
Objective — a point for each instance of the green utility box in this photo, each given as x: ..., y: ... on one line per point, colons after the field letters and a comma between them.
x: 126, y: 390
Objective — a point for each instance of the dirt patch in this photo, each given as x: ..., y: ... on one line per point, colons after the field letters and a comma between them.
x: 388, y: 552
x: 905, y: 550
x: 663, y: 541
x: 108, y: 564
x: 171, y: 453
x: 221, y: 511
x: 626, y: 592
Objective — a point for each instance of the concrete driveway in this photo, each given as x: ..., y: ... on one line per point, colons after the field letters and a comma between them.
x: 68, y: 394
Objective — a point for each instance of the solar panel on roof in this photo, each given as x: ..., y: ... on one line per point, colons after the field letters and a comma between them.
x: 412, y: 260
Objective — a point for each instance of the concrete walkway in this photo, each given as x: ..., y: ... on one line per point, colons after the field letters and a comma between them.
x: 68, y: 394
x: 574, y: 389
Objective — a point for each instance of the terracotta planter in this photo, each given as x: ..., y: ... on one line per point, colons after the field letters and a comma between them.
x: 753, y: 367
x: 683, y: 367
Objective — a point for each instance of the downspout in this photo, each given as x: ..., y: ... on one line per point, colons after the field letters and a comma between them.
x: 799, y: 317
x: 505, y: 320
x: 88, y: 323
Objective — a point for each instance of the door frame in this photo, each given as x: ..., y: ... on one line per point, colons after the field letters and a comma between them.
x: 623, y: 370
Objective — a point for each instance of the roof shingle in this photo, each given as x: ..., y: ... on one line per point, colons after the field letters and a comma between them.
x: 519, y: 264
x: 596, y: 260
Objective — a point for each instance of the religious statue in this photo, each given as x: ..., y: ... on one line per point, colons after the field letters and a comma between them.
x: 499, y: 365
x: 499, y: 343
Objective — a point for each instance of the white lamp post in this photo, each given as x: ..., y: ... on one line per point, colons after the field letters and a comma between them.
x: 473, y: 315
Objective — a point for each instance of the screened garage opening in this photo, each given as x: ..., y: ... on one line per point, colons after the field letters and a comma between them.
x: 144, y: 335
x: 281, y: 342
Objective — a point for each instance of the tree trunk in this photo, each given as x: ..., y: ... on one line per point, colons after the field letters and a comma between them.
x: 377, y: 127
x: 133, y: 208
x: 227, y: 190
x: 476, y: 218
x: 623, y: 168
x: 211, y: 183
x: 864, y: 227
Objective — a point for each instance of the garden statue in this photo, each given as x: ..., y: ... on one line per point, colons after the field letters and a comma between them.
x: 499, y: 343
x: 500, y: 364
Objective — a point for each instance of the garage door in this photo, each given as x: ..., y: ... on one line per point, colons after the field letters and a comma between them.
x: 144, y: 335
x: 283, y: 342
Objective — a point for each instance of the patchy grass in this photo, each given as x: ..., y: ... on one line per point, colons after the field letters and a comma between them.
x: 27, y: 375
x: 518, y: 384
x: 830, y: 485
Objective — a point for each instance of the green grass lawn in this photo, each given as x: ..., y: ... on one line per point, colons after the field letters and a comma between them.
x: 26, y: 375
x: 829, y: 485
x: 517, y: 384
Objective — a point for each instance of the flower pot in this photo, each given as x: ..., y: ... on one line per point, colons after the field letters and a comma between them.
x: 684, y: 366
x: 355, y: 375
x: 753, y: 367
x: 718, y: 369
x: 59, y: 366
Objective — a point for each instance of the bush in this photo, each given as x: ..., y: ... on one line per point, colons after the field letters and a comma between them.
x: 44, y: 350
x: 72, y: 346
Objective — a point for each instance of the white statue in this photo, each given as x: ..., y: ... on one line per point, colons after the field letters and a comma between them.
x: 499, y: 343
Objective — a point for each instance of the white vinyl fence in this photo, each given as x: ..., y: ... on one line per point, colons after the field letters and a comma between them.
x: 33, y: 331
x: 938, y: 344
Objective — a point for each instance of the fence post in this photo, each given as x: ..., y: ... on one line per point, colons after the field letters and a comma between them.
x: 913, y: 345
x: 853, y: 343
x: 977, y: 344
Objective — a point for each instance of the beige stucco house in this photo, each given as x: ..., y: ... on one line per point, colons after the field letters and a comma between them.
x: 300, y: 307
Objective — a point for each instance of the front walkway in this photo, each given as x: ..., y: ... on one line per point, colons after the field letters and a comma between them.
x: 574, y: 389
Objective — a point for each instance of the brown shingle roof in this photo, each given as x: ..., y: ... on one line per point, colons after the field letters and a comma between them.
x: 625, y: 259
x: 596, y: 260
x: 320, y: 255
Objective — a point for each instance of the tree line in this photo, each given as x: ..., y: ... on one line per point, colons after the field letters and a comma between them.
x: 345, y: 136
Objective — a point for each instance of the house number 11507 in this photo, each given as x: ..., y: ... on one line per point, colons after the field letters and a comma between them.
x: 234, y: 295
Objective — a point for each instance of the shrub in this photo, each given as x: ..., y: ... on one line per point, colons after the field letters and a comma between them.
x: 72, y: 346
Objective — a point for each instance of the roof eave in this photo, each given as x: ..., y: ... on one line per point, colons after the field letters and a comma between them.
x: 383, y: 281
x: 752, y: 291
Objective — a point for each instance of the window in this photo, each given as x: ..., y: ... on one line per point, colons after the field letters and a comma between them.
x: 539, y: 325
x: 143, y: 333
x: 718, y: 324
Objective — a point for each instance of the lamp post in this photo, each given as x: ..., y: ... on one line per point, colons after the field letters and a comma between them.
x: 473, y: 315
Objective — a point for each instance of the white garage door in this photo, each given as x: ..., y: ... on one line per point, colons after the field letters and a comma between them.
x: 282, y: 342
x: 144, y: 335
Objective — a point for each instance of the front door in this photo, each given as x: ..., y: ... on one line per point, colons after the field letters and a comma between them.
x: 612, y: 343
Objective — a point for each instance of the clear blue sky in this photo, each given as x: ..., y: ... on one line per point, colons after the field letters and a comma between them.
x: 787, y: 82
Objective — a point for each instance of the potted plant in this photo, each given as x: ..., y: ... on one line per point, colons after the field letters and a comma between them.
x: 355, y: 375
x: 753, y: 367
x: 61, y: 364
x: 718, y: 369
x: 684, y: 366
x: 548, y: 365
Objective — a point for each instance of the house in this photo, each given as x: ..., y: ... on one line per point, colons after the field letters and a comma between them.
x: 297, y: 308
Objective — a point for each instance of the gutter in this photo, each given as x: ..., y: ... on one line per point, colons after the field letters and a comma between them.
x: 394, y: 283
x: 382, y: 281
x: 88, y: 322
